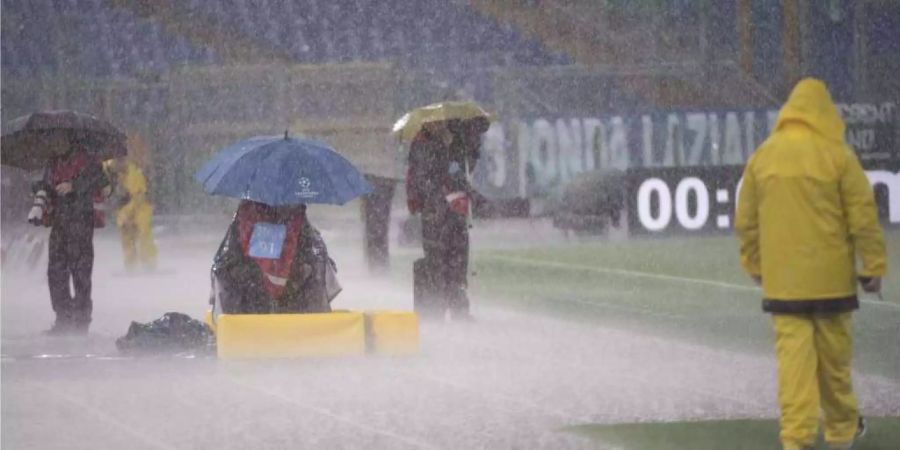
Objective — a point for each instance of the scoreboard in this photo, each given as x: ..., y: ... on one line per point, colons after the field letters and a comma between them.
x: 703, y: 199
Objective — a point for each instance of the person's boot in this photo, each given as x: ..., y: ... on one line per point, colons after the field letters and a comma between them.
x: 461, y: 314
x: 80, y: 328
x: 796, y: 446
x: 61, y: 327
x: 56, y: 329
x: 80, y: 324
x: 459, y: 305
x: 860, y: 432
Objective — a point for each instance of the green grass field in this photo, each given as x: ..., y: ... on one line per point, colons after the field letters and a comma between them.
x: 684, y: 288
x: 884, y: 434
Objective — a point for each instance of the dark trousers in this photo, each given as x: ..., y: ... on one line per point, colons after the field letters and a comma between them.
x: 445, y: 240
x: 71, y: 256
x: 376, y: 209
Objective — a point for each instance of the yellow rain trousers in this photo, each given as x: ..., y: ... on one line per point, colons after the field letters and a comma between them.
x: 807, y: 226
x: 813, y: 352
x: 134, y: 220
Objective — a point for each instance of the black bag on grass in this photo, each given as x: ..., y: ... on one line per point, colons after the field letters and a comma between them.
x: 172, y: 333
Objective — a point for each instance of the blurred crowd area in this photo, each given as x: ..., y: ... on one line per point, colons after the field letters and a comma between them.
x: 185, y: 78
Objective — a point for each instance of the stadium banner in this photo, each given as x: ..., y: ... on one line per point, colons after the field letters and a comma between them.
x: 535, y: 158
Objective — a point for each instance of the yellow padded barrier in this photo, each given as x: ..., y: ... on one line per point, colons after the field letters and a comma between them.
x: 392, y: 332
x: 208, y: 320
x: 241, y: 336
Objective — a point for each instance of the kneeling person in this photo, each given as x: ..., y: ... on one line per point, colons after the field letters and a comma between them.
x: 273, y: 260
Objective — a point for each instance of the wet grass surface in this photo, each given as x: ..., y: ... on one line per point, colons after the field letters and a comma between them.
x: 883, y: 434
x: 685, y: 288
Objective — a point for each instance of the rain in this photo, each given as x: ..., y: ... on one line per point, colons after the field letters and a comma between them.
x: 580, y: 285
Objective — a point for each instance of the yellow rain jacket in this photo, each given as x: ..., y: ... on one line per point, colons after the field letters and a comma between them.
x: 806, y: 210
x: 132, y: 186
x: 131, y: 180
x: 134, y: 216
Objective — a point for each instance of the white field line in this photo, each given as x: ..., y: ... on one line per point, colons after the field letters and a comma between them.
x: 332, y: 415
x: 621, y: 307
x: 112, y: 420
x: 648, y: 275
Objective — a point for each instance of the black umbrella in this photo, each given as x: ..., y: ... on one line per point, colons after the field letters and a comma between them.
x: 29, y: 142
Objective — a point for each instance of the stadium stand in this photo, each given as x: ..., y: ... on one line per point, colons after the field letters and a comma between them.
x: 668, y: 48
x: 100, y: 38
x: 88, y: 38
x: 351, y: 30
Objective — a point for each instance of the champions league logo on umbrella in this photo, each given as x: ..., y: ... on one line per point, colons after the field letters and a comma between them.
x: 304, y: 191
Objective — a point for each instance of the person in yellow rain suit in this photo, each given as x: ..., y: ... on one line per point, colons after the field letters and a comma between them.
x: 134, y: 215
x: 805, y: 213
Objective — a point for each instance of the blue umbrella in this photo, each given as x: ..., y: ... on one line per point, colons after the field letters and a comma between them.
x: 279, y: 171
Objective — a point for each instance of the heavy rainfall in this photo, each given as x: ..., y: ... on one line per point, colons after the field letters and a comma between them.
x: 272, y: 224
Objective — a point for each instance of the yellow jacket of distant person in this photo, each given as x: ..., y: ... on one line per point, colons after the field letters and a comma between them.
x: 133, y: 186
x: 133, y: 181
x: 806, y: 210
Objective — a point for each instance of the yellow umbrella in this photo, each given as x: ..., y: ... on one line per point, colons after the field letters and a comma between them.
x: 411, y: 123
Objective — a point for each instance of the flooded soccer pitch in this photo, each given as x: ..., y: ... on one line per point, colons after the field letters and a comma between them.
x: 567, y: 334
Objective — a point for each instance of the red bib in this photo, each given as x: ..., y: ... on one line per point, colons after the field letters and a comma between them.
x: 275, y: 271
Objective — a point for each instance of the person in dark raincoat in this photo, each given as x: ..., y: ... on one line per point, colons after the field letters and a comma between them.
x: 273, y: 260
x: 438, y: 187
x: 64, y: 201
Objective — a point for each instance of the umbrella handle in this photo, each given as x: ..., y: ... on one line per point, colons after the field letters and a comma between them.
x: 469, y: 217
x: 469, y: 183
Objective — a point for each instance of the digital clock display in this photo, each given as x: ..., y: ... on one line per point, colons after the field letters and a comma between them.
x: 691, y: 204
x: 705, y: 198
x: 683, y: 199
